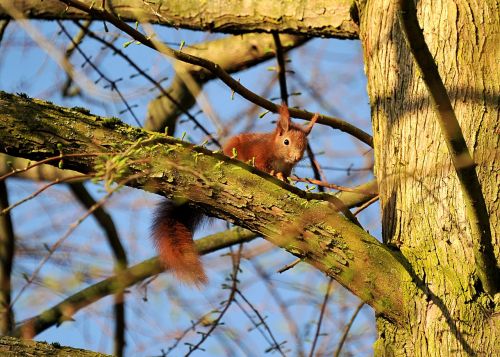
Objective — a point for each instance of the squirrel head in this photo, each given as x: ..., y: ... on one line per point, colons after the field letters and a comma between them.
x: 290, y: 139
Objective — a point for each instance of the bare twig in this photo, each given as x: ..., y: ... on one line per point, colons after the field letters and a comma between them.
x: 283, y: 306
x: 39, y: 191
x: 289, y: 266
x: 77, y: 39
x: 329, y: 185
x: 322, y: 313
x: 464, y: 165
x: 56, y: 245
x: 44, y: 161
x: 158, y: 86
x: 275, y: 346
x: 365, y: 205
x: 233, y: 289
x: 111, y: 83
x: 347, y: 329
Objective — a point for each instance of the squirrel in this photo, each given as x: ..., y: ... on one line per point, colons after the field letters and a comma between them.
x: 174, y: 222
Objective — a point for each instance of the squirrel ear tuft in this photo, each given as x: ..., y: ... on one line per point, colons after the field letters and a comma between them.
x: 309, y: 126
x: 284, y: 121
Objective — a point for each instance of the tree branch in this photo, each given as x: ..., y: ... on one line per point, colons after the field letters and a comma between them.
x: 119, y: 282
x: 232, y: 53
x: 217, y: 71
x: 120, y: 259
x: 325, y: 19
x: 303, y: 223
x: 464, y: 165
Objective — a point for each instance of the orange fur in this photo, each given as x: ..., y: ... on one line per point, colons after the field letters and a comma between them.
x: 173, y: 225
x: 172, y: 231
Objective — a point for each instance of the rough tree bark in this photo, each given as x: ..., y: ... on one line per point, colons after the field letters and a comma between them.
x: 312, y: 18
x: 422, y: 205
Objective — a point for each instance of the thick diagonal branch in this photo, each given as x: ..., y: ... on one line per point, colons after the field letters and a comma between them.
x: 302, y: 223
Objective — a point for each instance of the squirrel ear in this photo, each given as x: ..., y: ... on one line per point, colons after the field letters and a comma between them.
x: 308, y: 127
x: 284, y: 121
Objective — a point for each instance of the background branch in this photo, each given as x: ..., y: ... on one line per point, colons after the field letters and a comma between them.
x: 119, y: 254
x: 123, y: 279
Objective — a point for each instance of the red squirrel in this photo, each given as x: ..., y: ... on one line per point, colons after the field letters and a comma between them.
x: 174, y: 223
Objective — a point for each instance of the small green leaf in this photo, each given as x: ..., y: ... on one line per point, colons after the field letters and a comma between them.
x: 261, y: 115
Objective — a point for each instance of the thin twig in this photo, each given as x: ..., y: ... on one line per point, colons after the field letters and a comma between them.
x: 227, y: 304
x: 39, y: 191
x: 112, y: 83
x: 322, y: 313
x: 133, y: 275
x: 275, y: 346
x: 366, y: 204
x: 45, y: 161
x: 347, y: 329
x: 56, y: 245
x: 291, y: 322
x: 157, y: 85
x: 289, y: 266
x: 328, y: 185
x: 78, y: 38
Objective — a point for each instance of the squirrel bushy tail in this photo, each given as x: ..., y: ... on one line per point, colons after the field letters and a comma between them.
x: 172, y: 230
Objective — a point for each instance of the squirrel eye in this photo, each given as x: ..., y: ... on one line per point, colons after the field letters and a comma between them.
x: 286, y: 142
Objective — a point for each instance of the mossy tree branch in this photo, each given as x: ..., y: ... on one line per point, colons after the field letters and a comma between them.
x: 464, y: 165
x: 325, y: 19
x: 13, y: 347
x: 300, y: 222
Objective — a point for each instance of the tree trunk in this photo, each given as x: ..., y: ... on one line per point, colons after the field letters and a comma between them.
x: 422, y: 206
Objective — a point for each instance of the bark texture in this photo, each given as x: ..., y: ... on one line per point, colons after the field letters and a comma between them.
x: 14, y: 347
x: 314, y: 18
x: 423, y: 211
